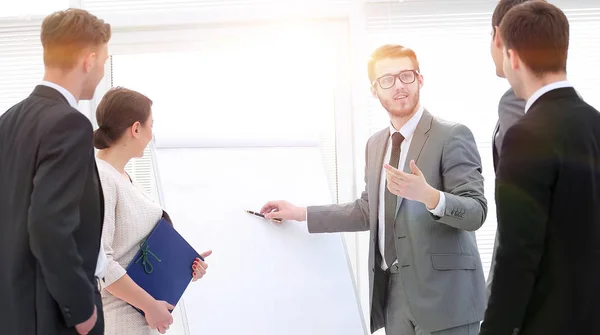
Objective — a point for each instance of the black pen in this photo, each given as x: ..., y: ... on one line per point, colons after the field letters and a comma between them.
x: 262, y: 216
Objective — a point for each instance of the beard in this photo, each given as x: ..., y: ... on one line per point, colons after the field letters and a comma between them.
x: 401, y: 108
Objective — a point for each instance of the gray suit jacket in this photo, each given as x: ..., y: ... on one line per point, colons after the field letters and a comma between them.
x: 510, y: 110
x: 440, y: 264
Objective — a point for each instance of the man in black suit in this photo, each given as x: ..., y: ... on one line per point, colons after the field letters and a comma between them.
x: 547, y: 275
x: 51, y: 202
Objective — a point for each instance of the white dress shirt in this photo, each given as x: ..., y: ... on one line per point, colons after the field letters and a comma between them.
x: 101, y: 263
x: 545, y: 89
x: 407, y: 132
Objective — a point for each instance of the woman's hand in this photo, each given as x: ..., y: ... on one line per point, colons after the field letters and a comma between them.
x: 199, y: 267
x: 158, y: 316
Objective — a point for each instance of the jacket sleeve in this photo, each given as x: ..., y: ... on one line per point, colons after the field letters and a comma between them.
x: 466, y: 206
x: 350, y: 217
x: 114, y: 270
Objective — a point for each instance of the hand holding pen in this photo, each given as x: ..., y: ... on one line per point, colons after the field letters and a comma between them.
x: 262, y: 216
x: 284, y: 210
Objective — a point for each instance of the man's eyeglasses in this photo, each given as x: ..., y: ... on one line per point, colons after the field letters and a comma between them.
x: 388, y: 80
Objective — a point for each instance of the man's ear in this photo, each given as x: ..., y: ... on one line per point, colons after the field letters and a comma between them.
x: 89, y: 62
x: 513, y: 58
x: 374, y: 91
x: 497, y: 39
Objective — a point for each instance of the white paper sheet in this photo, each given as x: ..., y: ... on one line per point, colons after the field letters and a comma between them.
x: 263, y: 278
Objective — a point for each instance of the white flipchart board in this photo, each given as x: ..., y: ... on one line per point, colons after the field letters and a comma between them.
x: 263, y: 278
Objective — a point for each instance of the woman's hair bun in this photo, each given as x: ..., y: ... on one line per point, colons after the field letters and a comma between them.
x: 101, y: 139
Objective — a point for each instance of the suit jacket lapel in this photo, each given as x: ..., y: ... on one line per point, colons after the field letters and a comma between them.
x: 416, y: 146
x: 496, y: 131
x: 495, y: 152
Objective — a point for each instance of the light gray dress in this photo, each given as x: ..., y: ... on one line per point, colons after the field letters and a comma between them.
x: 129, y: 216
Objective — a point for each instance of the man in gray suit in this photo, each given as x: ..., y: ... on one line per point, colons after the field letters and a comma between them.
x: 425, y: 272
x: 510, y: 108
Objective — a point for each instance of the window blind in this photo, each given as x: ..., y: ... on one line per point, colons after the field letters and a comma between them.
x: 452, y: 41
x: 21, y: 63
x: 26, y: 8
x: 142, y: 172
x: 583, y: 68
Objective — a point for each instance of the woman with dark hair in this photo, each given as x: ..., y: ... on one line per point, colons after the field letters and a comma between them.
x: 125, y: 128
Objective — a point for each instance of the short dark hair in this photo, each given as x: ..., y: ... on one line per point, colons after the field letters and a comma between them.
x: 65, y: 34
x: 502, y: 8
x: 539, y: 32
x: 118, y: 110
x: 390, y: 51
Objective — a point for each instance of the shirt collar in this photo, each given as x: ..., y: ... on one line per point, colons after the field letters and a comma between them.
x: 410, y: 126
x: 70, y: 98
x: 545, y: 89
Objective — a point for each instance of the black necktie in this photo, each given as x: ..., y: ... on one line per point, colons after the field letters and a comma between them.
x: 390, y: 204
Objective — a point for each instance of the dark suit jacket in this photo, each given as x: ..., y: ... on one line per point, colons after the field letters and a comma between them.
x: 52, y: 213
x: 547, y: 274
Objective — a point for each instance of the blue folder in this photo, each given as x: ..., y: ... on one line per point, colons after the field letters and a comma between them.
x: 163, y: 265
